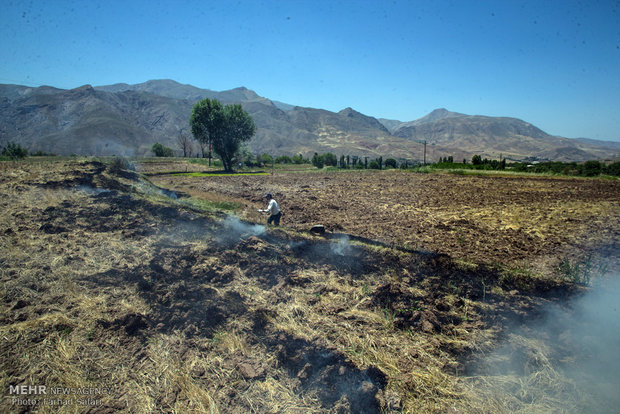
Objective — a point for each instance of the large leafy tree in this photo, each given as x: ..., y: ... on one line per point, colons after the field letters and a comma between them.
x: 238, y: 127
x: 204, y: 122
x: 222, y: 128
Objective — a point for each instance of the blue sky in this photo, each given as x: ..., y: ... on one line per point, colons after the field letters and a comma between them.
x: 555, y: 64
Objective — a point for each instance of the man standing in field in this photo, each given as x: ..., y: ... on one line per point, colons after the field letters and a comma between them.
x: 273, y: 210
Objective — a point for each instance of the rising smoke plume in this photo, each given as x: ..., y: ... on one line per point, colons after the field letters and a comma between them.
x: 234, y: 230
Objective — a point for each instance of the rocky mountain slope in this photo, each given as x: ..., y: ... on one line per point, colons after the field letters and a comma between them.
x: 127, y: 120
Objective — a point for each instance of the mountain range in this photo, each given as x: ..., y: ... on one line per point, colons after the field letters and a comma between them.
x: 126, y: 120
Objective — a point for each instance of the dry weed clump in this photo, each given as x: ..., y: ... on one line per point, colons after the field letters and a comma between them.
x: 106, y: 283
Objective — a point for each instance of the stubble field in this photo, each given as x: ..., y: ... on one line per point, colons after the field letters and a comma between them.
x: 425, y: 297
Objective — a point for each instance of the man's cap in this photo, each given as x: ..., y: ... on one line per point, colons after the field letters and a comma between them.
x: 268, y: 195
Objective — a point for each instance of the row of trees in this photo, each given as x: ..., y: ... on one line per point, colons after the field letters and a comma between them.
x: 330, y: 160
x: 477, y: 163
x: 591, y: 168
x: 14, y: 151
x: 250, y: 160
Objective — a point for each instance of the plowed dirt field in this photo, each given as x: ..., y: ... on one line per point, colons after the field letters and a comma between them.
x: 533, y: 222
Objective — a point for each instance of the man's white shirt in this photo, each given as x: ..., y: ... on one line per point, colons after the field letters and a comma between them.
x: 273, y: 208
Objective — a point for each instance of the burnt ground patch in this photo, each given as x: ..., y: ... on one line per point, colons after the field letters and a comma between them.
x: 175, y: 284
x: 178, y: 306
x: 339, y: 385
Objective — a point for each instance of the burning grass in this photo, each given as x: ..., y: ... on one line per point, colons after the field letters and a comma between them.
x: 109, y: 284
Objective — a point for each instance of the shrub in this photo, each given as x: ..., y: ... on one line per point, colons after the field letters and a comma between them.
x: 40, y: 153
x: 119, y: 164
x: 161, y: 151
x: 575, y: 272
x: 374, y: 165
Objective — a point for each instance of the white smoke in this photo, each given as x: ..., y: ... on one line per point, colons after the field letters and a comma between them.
x: 341, y: 247
x: 91, y: 190
x: 234, y: 230
x: 591, y: 333
x: 569, y: 357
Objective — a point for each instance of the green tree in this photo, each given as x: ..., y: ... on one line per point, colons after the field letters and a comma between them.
x: 330, y: 159
x: 266, y: 159
x: 223, y: 128
x: 238, y: 127
x: 391, y: 163
x: 161, y: 151
x: 592, y: 168
x: 318, y: 160
x: 205, y: 121
x: 476, y: 160
x: 298, y: 159
x: 15, y: 151
x: 613, y: 169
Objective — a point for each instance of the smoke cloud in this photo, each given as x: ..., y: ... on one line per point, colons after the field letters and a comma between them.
x: 341, y: 247
x: 91, y: 190
x: 570, y: 357
x: 233, y: 230
x: 590, y: 334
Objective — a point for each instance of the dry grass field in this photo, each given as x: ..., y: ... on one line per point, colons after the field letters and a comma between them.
x: 137, y: 302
